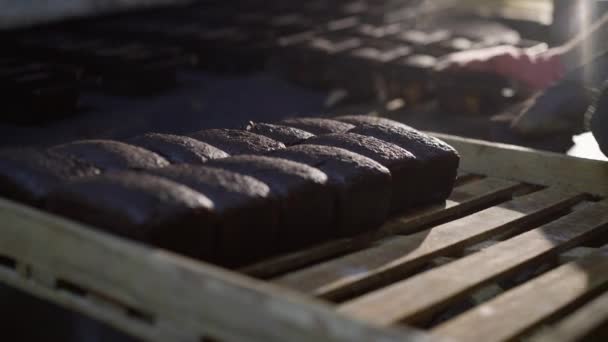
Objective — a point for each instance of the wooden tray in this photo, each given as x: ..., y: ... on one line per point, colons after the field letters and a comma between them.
x: 515, y: 252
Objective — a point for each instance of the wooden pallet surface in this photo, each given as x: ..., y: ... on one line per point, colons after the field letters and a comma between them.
x: 411, y: 299
x: 511, y: 314
x: 406, y: 276
x: 391, y: 258
x: 587, y: 323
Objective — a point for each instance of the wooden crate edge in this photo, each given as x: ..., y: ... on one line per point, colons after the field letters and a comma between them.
x: 529, y: 165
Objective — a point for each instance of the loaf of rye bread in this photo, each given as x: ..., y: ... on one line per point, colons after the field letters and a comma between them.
x: 235, y: 141
x: 440, y: 160
x: 317, y: 126
x: 141, y: 207
x: 287, y: 135
x: 178, y: 149
x: 28, y: 175
x: 306, y: 204
x: 404, y: 167
x: 247, y: 216
x: 111, y: 155
x: 362, y: 186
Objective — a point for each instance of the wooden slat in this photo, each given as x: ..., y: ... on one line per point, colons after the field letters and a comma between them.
x: 568, y: 256
x: 292, y: 261
x: 184, y: 295
x: 390, y: 259
x: 465, y: 177
x: 471, y: 196
x: 110, y: 316
x: 588, y: 323
x: 463, y: 199
x: 416, y: 297
x: 515, y: 312
x: 577, y: 253
x: 528, y: 165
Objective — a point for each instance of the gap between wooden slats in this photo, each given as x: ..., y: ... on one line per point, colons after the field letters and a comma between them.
x: 587, y: 323
x: 514, y: 312
x: 416, y: 298
x: 474, y: 195
x: 391, y: 259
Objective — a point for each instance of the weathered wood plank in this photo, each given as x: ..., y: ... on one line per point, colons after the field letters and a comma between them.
x: 528, y: 165
x: 464, y: 198
x: 573, y: 254
x: 415, y: 298
x: 515, y: 312
x: 588, y: 323
x: 578, y: 253
x: 185, y: 295
x: 293, y: 261
x: 90, y: 308
x: 390, y: 259
x: 465, y: 177
x: 471, y: 196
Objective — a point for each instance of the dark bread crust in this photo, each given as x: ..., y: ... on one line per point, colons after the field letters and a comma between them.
x: 247, y: 216
x: 318, y: 126
x: 178, y: 149
x: 111, y: 155
x: 236, y: 141
x: 28, y: 175
x: 439, y: 159
x: 141, y: 207
x: 382, y: 152
x: 357, y: 120
x: 226, y: 189
x: 404, y: 167
x: 362, y: 186
x: 402, y: 135
x: 301, y: 190
x: 287, y: 135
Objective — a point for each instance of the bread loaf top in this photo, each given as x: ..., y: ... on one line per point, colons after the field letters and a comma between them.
x: 339, y: 164
x: 225, y: 188
x: 178, y: 149
x: 235, y: 141
x: 130, y: 203
x: 423, y: 146
x: 280, y: 175
x: 285, y: 134
x: 28, y: 174
x: 382, y: 152
x: 318, y: 126
x: 111, y: 155
x: 357, y: 120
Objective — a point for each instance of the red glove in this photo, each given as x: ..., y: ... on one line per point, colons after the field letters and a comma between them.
x: 534, y: 71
